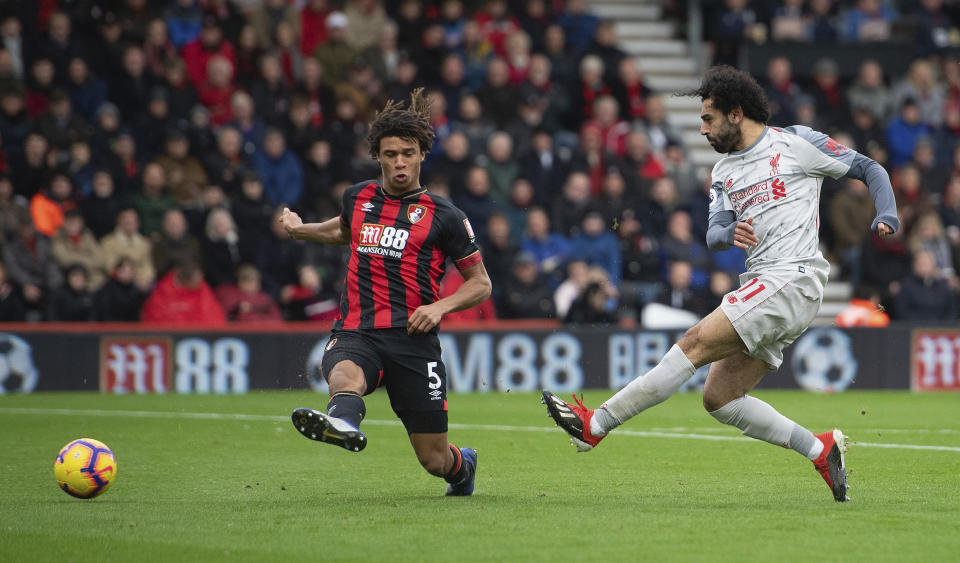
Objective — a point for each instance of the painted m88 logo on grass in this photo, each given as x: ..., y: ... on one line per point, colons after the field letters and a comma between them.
x: 373, y: 234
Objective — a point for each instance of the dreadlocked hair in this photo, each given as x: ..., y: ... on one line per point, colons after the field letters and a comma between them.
x: 411, y: 123
x: 730, y: 88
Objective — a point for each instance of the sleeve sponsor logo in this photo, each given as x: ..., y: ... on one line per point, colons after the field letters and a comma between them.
x: 469, y: 228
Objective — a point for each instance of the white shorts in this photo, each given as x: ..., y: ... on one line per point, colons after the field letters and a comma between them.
x: 771, y: 309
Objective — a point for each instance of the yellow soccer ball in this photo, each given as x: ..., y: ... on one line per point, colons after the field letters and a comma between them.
x: 85, y: 468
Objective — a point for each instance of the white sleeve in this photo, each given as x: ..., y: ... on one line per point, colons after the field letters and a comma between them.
x: 818, y: 154
x: 719, y: 200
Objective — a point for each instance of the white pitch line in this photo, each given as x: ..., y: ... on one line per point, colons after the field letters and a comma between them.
x: 456, y: 426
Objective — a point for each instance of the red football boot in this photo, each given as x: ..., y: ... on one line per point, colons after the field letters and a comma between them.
x: 831, y: 465
x: 574, y: 419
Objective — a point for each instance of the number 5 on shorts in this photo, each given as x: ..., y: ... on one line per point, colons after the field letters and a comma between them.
x: 432, y: 377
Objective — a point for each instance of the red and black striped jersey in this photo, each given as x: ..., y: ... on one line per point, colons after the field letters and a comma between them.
x: 398, y: 251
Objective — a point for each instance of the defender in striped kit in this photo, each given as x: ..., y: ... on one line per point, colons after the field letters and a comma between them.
x: 400, y: 238
x: 765, y: 199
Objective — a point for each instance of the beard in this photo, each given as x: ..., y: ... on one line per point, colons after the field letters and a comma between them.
x: 728, y: 137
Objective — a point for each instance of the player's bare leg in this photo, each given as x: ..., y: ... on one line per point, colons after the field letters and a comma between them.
x: 710, y: 339
x: 457, y: 466
x: 725, y: 398
x: 340, y: 425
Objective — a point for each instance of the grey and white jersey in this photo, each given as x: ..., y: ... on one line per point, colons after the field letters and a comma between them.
x: 777, y: 180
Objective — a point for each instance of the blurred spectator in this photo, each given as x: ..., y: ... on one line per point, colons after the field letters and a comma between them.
x: 10, y: 208
x: 158, y: 49
x: 928, y: 236
x: 29, y: 172
x: 291, y: 61
x: 597, y: 246
x: 946, y: 138
x: 527, y: 295
x: 60, y: 44
x: 384, y: 56
x: 549, y: 249
x: 365, y: 20
x: 473, y: 124
x: 789, y: 22
x: 501, y: 166
x: 476, y: 202
x: 216, y: 89
x: 659, y: 131
x: 904, y: 130
x: 151, y: 128
x: 454, y: 162
x: 568, y: 291
x: 680, y: 292
x: 11, y: 300
x: 851, y: 214
x: 102, y: 204
x: 320, y: 96
x: 28, y: 257
x: 679, y: 244
x: 245, y: 301
x: 184, y: 20
x: 913, y: 199
x: 499, y: 250
x: 174, y: 243
x: 313, y: 29
x: 498, y: 97
x: 453, y: 21
x: 549, y: 98
x: 640, y: 166
x: 568, y: 209
x: 320, y: 173
x: 60, y: 125
x: 411, y: 23
x: 662, y: 202
x: 562, y: 64
x: 821, y: 25
x: 496, y: 24
x: 245, y: 120
x: 920, y: 85
x: 586, y: 91
x: 183, y: 297
x: 126, y: 241
x: 221, y: 249
x: 869, y: 20
x: 590, y: 307
x: 545, y: 167
x: 864, y: 309
x: 924, y: 295
x: 578, y: 23
x: 80, y: 169
x: 932, y: 176
x: 279, y: 170
x: 885, y: 261
x: 75, y: 244
x: 933, y: 27
x: 517, y: 56
x: 870, y: 92
x: 152, y: 201
x: 827, y: 92
x: 615, y: 200
x: 49, y: 204
x: 782, y: 92
x: 279, y: 258
x: 185, y: 175
x: 15, y: 123
x: 228, y: 164
x: 681, y: 171
x: 949, y: 210
x: 520, y: 201
x: 309, y: 299
x: 208, y: 45
x: 270, y: 90
x: 12, y: 41
x: 73, y: 301
x: 485, y: 311
x: 865, y: 129
x: 613, y: 130
x: 247, y: 52
x: 130, y: 87
x: 39, y: 84
x: 86, y: 91
x: 335, y: 54
x: 731, y: 25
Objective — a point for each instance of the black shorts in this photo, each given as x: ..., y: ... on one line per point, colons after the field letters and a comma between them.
x: 409, y: 366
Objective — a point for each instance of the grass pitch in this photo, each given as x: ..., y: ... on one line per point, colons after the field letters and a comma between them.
x: 211, y: 478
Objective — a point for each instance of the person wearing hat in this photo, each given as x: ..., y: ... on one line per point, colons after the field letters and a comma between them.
x: 336, y: 55
x: 207, y: 45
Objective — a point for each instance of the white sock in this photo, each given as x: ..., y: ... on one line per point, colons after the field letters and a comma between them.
x: 759, y: 420
x: 650, y: 389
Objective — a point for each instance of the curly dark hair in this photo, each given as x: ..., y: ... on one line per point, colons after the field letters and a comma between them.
x: 411, y: 123
x: 730, y: 88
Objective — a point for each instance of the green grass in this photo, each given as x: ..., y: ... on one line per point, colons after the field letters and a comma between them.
x: 252, y: 489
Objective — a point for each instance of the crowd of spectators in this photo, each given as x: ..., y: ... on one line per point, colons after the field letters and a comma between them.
x: 147, y: 149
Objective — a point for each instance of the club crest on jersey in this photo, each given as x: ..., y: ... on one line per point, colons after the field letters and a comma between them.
x: 415, y: 213
x: 330, y: 344
x: 775, y: 165
x: 728, y: 184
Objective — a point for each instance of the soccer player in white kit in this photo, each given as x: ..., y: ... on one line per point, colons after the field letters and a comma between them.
x: 765, y: 199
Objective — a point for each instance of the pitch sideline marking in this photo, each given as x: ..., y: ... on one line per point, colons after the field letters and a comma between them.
x: 458, y: 426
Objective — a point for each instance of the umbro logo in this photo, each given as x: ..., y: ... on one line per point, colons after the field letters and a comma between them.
x: 367, y: 206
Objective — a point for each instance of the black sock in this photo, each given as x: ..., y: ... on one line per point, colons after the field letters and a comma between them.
x: 347, y: 405
x: 461, y: 470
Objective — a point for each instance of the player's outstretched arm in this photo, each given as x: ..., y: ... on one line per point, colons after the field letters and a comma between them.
x: 474, y: 291
x: 871, y: 173
x: 331, y: 231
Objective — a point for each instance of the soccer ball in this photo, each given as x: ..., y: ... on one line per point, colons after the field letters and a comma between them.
x: 85, y: 468
x: 17, y: 372
x: 823, y: 361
